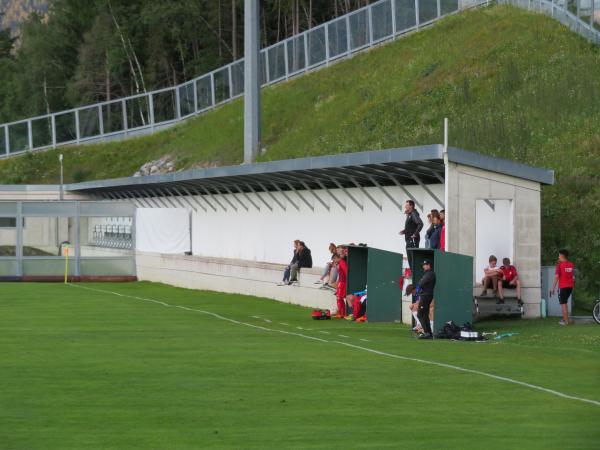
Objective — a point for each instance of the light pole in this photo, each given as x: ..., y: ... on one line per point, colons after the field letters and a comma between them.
x: 61, y: 195
x: 251, y: 81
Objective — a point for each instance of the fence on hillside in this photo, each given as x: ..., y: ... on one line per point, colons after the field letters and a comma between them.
x: 581, y: 16
x: 148, y: 112
x: 320, y: 46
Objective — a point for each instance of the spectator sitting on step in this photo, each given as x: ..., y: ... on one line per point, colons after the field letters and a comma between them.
x: 333, y: 273
x: 328, y: 266
x: 493, y: 278
x: 304, y: 261
x: 287, y: 270
x: 510, y: 278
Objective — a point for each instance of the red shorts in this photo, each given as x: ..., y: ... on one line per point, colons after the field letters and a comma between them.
x: 340, y: 292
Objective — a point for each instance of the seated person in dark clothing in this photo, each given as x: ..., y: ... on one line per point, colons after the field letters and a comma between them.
x: 286, y: 272
x: 304, y: 261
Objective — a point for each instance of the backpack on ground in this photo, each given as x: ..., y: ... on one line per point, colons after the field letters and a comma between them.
x: 321, y: 314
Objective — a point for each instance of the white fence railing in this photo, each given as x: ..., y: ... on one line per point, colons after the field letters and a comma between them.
x: 581, y: 16
x: 320, y: 46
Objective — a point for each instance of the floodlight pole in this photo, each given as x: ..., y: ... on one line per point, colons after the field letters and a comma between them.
x: 251, y: 81
x: 61, y: 194
x: 446, y: 184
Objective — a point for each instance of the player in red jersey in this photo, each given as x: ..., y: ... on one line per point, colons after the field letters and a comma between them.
x: 565, y: 279
x: 340, y: 292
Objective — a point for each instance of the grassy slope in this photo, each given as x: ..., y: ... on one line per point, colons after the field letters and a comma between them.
x: 84, y: 369
x: 513, y: 84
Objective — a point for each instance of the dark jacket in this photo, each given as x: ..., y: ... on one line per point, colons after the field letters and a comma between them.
x: 434, y: 238
x: 412, y: 226
x: 427, y: 283
x: 294, y: 258
x: 304, y: 258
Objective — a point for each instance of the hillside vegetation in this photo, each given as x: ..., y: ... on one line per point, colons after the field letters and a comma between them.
x: 513, y: 84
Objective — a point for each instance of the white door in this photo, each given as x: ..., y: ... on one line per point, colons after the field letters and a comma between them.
x: 494, y: 233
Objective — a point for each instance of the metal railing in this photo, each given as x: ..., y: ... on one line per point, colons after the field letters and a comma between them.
x: 112, y: 236
x: 320, y: 46
x: 581, y: 16
x: 148, y: 112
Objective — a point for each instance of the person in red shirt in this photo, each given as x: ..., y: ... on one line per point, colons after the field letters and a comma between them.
x: 510, y: 278
x: 565, y: 279
x: 340, y: 292
x: 443, y: 233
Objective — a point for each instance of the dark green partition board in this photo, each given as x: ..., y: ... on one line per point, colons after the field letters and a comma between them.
x: 453, y: 295
x: 357, y: 268
x: 379, y: 271
x: 454, y: 289
x: 384, y: 272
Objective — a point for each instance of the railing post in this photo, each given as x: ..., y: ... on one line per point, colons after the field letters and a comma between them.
x: 29, y: 135
x: 77, y: 132
x: 53, y: 126
x: 417, y: 14
x: 370, y: 22
x: 267, y: 75
x: 285, y: 57
x: 151, y: 111
x: 124, y: 112
x: 213, y: 97
x: 195, y: 91
x: 393, y: 5
x: 100, y: 121
x: 306, y: 51
x: 592, y: 12
x: 230, y: 76
x: 177, y: 102
x: 326, y: 26
x: 6, y: 140
x: 348, y: 51
x: 439, y: 9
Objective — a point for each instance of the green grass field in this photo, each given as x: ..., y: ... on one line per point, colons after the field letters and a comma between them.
x: 85, y: 369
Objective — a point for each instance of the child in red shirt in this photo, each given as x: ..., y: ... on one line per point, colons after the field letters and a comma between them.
x: 565, y: 278
x: 510, y: 278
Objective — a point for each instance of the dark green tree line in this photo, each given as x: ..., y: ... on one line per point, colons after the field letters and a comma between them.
x: 86, y: 51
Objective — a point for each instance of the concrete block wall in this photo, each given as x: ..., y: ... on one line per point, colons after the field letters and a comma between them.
x: 233, y: 276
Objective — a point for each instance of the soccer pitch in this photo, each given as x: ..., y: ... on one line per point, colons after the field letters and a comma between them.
x: 149, y: 366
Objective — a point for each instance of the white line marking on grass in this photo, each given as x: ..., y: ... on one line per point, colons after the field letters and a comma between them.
x: 365, y: 340
x: 343, y: 336
x: 324, y: 332
x: 299, y: 328
x: 267, y: 320
x: 255, y: 317
x: 284, y: 324
x: 358, y: 347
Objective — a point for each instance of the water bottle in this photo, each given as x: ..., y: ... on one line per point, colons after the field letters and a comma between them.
x: 543, y: 308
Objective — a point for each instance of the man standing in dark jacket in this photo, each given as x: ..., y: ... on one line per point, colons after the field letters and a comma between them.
x: 412, y: 226
x: 426, y: 288
x: 304, y: 260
